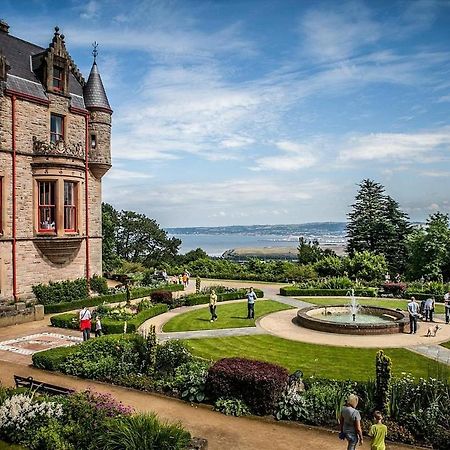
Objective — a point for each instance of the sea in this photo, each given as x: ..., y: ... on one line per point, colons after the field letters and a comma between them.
x: 216, y: 240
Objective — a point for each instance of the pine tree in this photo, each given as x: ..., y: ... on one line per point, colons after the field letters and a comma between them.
x: 377, y: 224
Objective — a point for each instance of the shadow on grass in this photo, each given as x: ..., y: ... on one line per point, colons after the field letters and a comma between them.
x: 242, y: 318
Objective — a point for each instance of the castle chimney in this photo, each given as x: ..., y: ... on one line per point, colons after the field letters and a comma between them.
x: 4, y: 27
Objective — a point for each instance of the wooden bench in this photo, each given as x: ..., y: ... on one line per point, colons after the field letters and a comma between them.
x: 31, y: 383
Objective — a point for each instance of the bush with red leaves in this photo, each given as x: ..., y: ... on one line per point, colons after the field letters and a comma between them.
x: 258, y: 384
x: 162, y: 297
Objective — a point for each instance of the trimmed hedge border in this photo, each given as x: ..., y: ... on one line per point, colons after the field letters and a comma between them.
x: 53, y: 358
x: 112, y: 298
x: 236, y: 295
x: 110, y: 326
x: 297, y: 292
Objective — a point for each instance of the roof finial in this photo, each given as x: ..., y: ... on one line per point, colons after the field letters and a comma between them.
x: 95, y: 51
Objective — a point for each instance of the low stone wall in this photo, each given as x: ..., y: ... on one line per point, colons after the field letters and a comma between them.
x: 20, y: 313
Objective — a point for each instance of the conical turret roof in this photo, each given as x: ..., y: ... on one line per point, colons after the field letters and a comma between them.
x: 94, y: 92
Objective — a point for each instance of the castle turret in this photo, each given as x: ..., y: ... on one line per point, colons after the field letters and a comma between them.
x: 97, y: 103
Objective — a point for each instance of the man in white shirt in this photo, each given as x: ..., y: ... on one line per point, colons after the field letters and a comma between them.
x: 429, y: 309
x: 447, y: 307
x: 413, y: 309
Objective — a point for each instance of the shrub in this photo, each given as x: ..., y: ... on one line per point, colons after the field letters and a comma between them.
x: 231, y: 407
x: 171, y: 355
x: 383, y: 370
x: 189, y: 380
x: 161, y: 297
x: 98, y: 284
x: 258, y: 384
x: 394, y: 289
x: 61, y: 291
x: 142, y: 432
x: 291, y: 405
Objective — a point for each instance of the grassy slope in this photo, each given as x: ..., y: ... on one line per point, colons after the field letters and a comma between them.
x: 232, y: 315
x: 382, y: 302
x: 312, y: 359
x: 5, y: 446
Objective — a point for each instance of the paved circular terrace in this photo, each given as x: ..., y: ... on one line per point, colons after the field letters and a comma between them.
x: 281, y: 324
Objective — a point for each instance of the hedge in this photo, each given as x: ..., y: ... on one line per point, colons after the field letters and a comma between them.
x: 53, y: 358
x: 192, y: 300
x: 259, y: 384
x: 111, y: 298
x: 424, y: 296
x: 110, y: 326
x: 297, y: 292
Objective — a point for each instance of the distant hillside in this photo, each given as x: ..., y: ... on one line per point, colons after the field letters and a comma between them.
x: 319, y: 228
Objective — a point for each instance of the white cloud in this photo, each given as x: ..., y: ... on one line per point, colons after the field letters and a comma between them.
x: 117, y: 173
x: 444, y: 98
x: 334, y: 34
x: 294, y: 156
x: 436, y: 173
x: 396, y: 146
x: 89, y: 10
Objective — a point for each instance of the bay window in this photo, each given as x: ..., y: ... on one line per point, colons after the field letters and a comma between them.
x: 47, y: 206
x: 70, y: 207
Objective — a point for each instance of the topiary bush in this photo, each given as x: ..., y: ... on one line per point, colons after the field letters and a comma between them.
x: 258, y: 384
x: 162, y: 297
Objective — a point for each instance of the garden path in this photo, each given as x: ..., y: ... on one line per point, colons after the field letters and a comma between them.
x: 222, y: 432
x: 436, y: 352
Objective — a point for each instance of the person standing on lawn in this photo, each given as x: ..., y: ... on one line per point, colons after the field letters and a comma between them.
x: 413, y: 309
x: 350, y: 422
x: 85, y: 323
x: 378, y: 432
x: 251, y: 298
x: 212, y: 305
x: 447, y: 307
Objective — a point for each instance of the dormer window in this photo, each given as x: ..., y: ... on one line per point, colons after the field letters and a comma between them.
x: 56, y: 128
x: 58, y: 78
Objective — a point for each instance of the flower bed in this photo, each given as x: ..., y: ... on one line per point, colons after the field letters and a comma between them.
x: 417, y: 408
x: 110, y: 325
x: 83, y: 420
x: 111, y: 298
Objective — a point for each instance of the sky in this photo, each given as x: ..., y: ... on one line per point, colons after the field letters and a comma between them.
x: 263, y: 112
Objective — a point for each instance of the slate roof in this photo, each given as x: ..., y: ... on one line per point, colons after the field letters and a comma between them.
x: 21, y: 78
x: 94, y: 92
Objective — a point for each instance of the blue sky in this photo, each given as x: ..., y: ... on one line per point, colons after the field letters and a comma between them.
x: 245, y: 112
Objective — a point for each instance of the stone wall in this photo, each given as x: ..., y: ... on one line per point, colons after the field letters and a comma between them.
x: 33, y: 266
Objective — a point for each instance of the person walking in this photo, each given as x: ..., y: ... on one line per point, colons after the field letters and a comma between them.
x: 350, y: 423
x: 98, y: 327
x: 429, y: 309
x: 251, y: 298
x: 378, y: 432
x: 85, y: 323
x: 413, y: 309
x: 212, y: 305
x: 447, y: 307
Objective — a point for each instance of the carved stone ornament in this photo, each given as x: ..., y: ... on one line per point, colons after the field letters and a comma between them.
x: 59, y: 148
x: 58, y: 250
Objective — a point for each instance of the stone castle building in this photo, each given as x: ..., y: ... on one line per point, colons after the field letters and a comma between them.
x: 55, y: 131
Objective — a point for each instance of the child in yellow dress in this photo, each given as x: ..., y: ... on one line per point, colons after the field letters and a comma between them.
x: 378, y: 432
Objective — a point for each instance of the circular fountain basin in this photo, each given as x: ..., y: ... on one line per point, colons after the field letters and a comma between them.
x: 337, y: 319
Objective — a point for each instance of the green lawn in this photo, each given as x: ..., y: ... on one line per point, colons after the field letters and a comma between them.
x: 231, y: 315
x: 446, y: 344
x: 382, y: 302
x: 326, y: 361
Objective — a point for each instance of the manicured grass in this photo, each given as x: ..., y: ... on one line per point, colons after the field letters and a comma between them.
x: 319, y: 360
x: 232, y: 315
x: 446, y: 344
x: 381, y: 302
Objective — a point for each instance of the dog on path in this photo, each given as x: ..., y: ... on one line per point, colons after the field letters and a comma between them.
x: 432, y: 331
